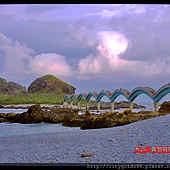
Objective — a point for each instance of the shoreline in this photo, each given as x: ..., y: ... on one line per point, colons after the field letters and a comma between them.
x: 108, y: 145
x: 51, y: 106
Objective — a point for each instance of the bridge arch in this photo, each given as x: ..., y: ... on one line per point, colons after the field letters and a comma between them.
x: 72, y: 97
x: 66, y: 98
x: 80, y: 96
x: 137, y: 92
x: 116, y: 94
x: 101, y: 95
x: 161, y: 94
x: 91, y: 95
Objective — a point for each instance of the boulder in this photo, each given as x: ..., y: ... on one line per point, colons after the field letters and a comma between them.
x: 165, y: 107
x: 86, y: 154
x: 36, y: 114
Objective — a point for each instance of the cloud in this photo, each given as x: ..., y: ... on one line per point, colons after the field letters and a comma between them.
x: 124, y: 43
x: 20, y: 61
x: 50, y: 63
x: 131, y: 42
x: 109, y: 46
x: 15, y: 56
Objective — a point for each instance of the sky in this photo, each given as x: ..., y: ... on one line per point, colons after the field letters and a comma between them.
x: 93, y: 47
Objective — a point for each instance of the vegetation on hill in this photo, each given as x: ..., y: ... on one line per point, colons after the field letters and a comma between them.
x: 2, y: 80
x: 47, y: 89
x: 33, y: 98
x: 50, y: 76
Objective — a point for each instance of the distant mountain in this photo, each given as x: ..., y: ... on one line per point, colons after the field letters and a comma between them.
x: 50, y: 83
x: 11, y: 88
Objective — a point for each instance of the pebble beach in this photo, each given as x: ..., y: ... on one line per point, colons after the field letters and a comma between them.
x: 107, y: 145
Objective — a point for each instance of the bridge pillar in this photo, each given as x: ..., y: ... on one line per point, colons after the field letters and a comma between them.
x: 131, y: 106
x: 65, y: 104
x: 98, y: 106
x: 87, y: 106
x: 78, y: 105
x: 156, y: 106
x: 112, y: 106
x: 71, y: 104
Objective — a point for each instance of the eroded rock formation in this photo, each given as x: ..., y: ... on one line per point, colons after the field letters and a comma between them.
x: 50, y: 83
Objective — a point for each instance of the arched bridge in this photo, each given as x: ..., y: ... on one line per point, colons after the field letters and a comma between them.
x: 156, y: 96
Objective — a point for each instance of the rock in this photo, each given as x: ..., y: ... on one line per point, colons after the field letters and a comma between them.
x: 110, y: 139
x: 12, y: 88
x: 3, y: 117
x: 127, y: 112
x: 60, y: 115
x: 117, y: 105
x: 33, y: 115
x: 36, y: 114
x: 75, y: 121
x: 50, y: 83
x: 86, y: 154
x: 165, y: 107
x: 88, y: 114
x: 87, y: 160
x: 11, y: 116
x: 70, y: 117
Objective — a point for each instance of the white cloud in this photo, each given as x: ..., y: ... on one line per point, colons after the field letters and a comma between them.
x: 50, y: 63
x: 15, y: 55
x: 19, y: 62
x: 110, y: 45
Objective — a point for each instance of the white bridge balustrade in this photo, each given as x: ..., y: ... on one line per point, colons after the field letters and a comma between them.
x: 156, y: 96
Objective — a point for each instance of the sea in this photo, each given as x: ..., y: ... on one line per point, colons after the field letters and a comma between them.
x: 8, y: 129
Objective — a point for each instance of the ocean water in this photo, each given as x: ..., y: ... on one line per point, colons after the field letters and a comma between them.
x: 8, y: 129
x: 8, y: 110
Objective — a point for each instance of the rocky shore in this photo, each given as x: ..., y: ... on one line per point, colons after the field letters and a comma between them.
x: 70, y: 117
x: 106, y: 145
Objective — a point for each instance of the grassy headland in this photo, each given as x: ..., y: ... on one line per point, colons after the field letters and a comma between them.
x: 34, y: 98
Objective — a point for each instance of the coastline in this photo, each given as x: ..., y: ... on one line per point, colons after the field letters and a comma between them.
x: 51, y: 106
x: 26, y: 106
x: 108, y: 145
